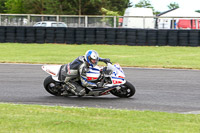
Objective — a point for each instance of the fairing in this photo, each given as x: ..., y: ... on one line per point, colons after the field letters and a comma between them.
x: 52, y: 70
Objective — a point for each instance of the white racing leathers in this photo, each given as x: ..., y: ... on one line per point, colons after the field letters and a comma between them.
x: 76, y: 69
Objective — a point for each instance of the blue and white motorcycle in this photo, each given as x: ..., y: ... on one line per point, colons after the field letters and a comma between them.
x: 111, y: 77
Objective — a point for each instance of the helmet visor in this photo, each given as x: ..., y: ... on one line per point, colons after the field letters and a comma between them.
x: 93, y: 61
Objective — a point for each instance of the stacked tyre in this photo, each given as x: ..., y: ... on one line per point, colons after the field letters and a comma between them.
x: 183, y: 38
x: 80, y: 35
x: 10, y: 34
x: 2, y: 34
x: 152, y: 37
x: 70, y: 35
x: 194, y: 38
x: 30, y: 34
x: 162, y: 37
x: 110, y: 35
x: 141, y: 37
x: 21, y: 34
x: 173, y: 37
x: 100, y: 35
x: 131, y: 37
x: 60, y: 35
x: 121, y: 36
x: 90, y: 35
x: 50, y: 35
x: 40, y: 35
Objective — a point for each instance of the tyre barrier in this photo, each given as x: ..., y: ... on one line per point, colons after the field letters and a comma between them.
x: 172, y: 39
x: 70, y: 36
x: 152, y: 37
x: 100, y: 36
x: 110, y: 36
x: 162, y: 37
x: 119, y: 36
x: 2, y: 34
x: 50, y: 35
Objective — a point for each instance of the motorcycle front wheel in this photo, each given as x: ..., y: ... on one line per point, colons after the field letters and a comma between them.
x: 127, y: 90
x: 52, y: 86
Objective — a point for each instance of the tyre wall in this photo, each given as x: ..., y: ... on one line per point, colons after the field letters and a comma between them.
x: 119, y: 36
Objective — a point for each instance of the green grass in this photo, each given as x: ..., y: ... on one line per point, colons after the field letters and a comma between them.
x: 139, y: 56
x: 45, y: 119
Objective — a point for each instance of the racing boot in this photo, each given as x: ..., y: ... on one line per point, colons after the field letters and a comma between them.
x: 66, y: 90
x: 75, y: 88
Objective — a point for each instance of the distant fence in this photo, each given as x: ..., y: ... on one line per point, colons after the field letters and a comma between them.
x: 70, y: 20
x: 145, y: 22
x: 121, y: 36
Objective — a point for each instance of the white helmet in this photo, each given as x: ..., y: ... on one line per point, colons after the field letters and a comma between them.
x: 92, y: 57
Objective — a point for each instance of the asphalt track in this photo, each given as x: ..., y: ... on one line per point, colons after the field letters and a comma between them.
x: 166, y: 90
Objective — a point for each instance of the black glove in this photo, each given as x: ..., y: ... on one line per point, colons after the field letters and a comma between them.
x: 106, y: 60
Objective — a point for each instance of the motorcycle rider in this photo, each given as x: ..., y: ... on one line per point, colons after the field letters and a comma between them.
x: 78, y: 69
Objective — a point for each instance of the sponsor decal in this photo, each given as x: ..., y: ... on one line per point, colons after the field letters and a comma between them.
x: 105, y: 92
x: 116, y: 82
x: 92, y: 78
x: 120, y: 77
x: 50, y: 72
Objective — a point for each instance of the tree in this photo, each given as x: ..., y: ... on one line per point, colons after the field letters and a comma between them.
x: 93, y: 7
x: 60, y: 7
x: 116, y: 5
x: 144, y: 4
x: 14, y: 6
x: 108, y: 12
x: 173, y: 5
x: 34, y: 6
x: 197, y: 11
x: 64, y: 7
x: 156, y: 12
x: 2, y: 6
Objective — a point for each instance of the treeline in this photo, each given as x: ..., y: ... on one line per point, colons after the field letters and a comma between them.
x: 64, y: 7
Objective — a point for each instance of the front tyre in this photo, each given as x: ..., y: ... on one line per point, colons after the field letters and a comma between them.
x: 125, y: 91
x: 52, y: 86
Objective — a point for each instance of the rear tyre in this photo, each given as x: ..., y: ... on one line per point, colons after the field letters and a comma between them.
x: 52, y: 86
x: 127, y: 90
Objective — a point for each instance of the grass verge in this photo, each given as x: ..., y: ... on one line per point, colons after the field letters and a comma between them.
x: 139, y: 56
x: 45, y: 119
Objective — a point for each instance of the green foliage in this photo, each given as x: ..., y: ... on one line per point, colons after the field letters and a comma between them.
x: 55, y: 119
x: 198, y: 11
x: 173, y: 5
x: 109, y: 13
x: 156, y: 12
x: 146, y: 4
x: 14, y: 6
x: 161, y: 57
x: 63, y: 7
x: 2, y: 6
x: 116, y: 5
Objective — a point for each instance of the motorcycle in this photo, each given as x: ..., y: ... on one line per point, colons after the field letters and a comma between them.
x: 111, y: 77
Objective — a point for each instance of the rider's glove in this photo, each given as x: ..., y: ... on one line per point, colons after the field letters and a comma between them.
x: 107, y: 61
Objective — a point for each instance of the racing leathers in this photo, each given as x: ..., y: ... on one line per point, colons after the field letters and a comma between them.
x: 77, y: 69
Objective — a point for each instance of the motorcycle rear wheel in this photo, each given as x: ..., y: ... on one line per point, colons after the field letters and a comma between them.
x: 127, y: 90
x: 51, y: 86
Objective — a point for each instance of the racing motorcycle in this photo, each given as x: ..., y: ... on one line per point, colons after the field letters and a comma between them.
x: 111, y: 77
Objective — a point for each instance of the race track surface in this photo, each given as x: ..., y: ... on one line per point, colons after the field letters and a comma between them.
x: 168, y: 90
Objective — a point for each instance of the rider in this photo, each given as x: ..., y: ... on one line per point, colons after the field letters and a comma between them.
x: 78, y: 69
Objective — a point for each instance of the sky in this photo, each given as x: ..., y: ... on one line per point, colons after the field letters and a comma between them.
x: 161, y: 5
